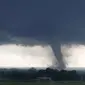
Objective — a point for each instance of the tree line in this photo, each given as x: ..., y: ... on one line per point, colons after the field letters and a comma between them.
x: 33, y: 74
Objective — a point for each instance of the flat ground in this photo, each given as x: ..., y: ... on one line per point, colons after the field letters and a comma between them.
x: 43, y: 83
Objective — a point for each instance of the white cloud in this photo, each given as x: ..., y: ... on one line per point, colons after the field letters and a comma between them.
x: 74, y: 55
x: 18, y: 56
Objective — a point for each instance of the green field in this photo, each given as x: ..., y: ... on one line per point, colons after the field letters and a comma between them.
x: 44, y: 83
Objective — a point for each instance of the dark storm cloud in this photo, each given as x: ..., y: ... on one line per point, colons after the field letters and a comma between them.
x: 50, y: 21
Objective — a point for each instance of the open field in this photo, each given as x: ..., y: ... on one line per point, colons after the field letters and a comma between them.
x: 44, y: 83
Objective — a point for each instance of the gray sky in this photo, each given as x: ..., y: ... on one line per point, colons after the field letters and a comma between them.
x: 43, y: 18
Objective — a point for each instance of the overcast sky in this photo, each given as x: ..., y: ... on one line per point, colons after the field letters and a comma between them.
x: 43, y: 18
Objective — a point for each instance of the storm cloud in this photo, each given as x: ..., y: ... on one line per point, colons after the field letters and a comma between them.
x: 46, y: 22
